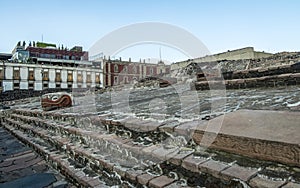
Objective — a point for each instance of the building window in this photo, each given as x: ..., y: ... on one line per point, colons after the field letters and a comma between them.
x: 125, y: 69
x: 151, y: 70
x: 57, y: 85
x: 31, y: 75
x: 45, y: 85
x: 115, y: 80
x: 88, y: 78
x: 70, y: 77
x: 79, y: 77
x: 45, y: 76
x: 97, y: 79
x: 125, y: 79
x: 116, y: 68
x: 57, y: 77
x: 69, y: 86
x: 134, y: 70
x: 17, y: 74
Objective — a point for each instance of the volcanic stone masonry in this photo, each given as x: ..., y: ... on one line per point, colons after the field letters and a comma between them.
x: 101, y: 151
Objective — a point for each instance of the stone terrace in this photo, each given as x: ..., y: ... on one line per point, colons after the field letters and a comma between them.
x: 97, y: 150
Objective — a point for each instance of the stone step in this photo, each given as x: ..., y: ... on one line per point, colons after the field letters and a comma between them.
x: 265, y: 81
x: 59, y: 161
x: 182, y: 159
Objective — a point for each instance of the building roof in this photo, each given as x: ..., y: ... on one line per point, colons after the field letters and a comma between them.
x: 56, y: 51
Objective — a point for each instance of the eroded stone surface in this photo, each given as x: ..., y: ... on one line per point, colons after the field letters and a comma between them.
x: 192, y: 162
x: 87, y: 147
x: 213, y: 167
x: 160, y: 182
x: 247, y: 132
x: 22, y: 167
x: 144, y: 178
x: 238, y: 172
x: 178, y: 158
x: 260, y: 182
x: 291, y: 185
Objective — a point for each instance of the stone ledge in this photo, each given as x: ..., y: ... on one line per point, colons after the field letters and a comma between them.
x: 160, y: 182
x: 247, y: 132
x: 238, y: 172
x: 259, y: 182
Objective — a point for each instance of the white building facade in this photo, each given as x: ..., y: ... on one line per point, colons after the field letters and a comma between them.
x: 24, y: 76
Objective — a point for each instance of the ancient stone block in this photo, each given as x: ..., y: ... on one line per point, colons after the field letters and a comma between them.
x: 260, y: 182
x: 188, y: 128
x: 212, y: 167
x: 238, y: 172
x: 291, y: 185
x: 192, y: 162
x: 132, y: 174
x: 178, y: 158
x: 169, y: 126
x: 160, y: 182
x: 144, y: 179
x: 164, y: 154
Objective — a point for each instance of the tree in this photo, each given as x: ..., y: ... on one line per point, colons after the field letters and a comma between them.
x: 30, y: 43
x: 34, y: 44
x: 19, y: 43
x: 62, y: 46
x: 24, y: 44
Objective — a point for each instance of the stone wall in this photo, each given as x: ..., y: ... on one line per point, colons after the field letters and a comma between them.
x: 239, y: 54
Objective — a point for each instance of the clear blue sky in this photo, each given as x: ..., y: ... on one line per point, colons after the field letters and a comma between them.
x: 267, y: 25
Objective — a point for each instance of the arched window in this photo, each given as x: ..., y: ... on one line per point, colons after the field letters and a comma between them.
x: 116, y: 68
x: 125, y: 69
x: 116, y: 80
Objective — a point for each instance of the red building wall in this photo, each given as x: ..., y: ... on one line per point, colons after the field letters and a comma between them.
x: 131, y: 74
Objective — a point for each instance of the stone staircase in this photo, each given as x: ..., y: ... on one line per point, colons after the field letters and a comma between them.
x: 101, y: 151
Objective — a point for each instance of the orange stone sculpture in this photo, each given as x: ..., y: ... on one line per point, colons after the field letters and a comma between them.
x: 51, y: 101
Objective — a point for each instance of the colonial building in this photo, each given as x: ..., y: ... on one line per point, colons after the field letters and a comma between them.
x: 118, y: 72
x: 40, y: 68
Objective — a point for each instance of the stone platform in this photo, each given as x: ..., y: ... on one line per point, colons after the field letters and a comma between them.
x: 267, y: 135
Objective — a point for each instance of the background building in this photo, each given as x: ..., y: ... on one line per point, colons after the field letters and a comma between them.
x: 47, y: 67
x: 118, y: 72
